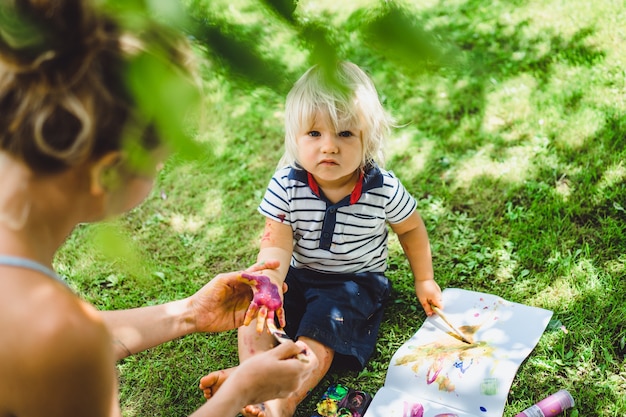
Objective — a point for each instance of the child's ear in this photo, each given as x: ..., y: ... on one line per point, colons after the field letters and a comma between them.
x: 103, y: 173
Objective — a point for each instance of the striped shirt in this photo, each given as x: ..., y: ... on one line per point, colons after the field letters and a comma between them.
x: 343, y: 237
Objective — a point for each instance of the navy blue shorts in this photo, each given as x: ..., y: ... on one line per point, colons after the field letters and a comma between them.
x: 341, y: 311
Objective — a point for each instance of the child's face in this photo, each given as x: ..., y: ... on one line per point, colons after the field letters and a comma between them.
x: 330, y: 156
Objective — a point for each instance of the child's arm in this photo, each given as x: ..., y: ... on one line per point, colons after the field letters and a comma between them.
x: 276, y: 244
x: 414, y: 240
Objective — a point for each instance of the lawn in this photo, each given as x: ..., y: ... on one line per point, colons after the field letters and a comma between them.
x: 514, y: 145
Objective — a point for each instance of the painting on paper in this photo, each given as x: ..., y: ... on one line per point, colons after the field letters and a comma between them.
x: 437, y: 374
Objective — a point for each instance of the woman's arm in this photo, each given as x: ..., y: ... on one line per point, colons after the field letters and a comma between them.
x: 141, y: 328
x: 220, y: 305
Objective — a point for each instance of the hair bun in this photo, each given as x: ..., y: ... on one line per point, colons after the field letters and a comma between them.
x: 36, y: 31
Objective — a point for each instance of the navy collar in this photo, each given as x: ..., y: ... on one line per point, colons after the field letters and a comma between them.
x: 369, y: 179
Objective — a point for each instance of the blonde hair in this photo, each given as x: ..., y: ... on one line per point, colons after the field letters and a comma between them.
x: 348, y: 96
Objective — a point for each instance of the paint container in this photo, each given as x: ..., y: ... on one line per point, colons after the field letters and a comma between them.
x: 549, y: 407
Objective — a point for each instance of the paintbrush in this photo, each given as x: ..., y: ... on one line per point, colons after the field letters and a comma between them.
x: 282, y: 337
x: 443, y: 317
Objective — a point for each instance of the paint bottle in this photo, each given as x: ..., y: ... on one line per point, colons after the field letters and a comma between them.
x: 551, y: 406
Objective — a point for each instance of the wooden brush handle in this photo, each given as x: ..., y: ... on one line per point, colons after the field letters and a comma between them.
x: 445, y: 319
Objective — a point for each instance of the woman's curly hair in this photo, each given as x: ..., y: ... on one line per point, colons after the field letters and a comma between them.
x: 63, y: 94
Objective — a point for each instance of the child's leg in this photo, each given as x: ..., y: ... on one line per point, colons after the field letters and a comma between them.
x: 286, y: 407
x: 249, y: 342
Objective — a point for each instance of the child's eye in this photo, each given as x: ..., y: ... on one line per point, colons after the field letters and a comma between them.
x: 314, y: 133
x: 345, y: 134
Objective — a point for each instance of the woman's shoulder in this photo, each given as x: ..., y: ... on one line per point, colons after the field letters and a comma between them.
x: 58, y: 342
x: 58, y: 347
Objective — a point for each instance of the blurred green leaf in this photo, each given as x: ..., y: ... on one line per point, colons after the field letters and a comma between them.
x: 395, y: 34
x: 18, y: 31
x: 237, y: 53
x: 323, y: 50
x: 115, y: 247
x: 166, y: 98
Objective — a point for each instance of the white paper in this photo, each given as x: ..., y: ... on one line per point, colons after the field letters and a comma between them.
x: 435, y: 374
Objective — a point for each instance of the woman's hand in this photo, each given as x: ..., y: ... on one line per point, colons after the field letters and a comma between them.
x: 273, y: 374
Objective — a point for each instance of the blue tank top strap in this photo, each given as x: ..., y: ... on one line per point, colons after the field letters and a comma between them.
x: 29, y: 264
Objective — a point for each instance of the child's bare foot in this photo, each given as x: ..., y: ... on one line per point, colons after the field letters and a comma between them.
x: 209, y: 384
x: 257, y: 410
x: 281, y: 407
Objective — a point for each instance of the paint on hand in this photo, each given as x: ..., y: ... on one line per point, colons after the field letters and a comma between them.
x: 266, y: 301
x: 267, y: 292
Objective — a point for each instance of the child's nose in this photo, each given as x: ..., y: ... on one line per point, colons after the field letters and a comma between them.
x: 329, y: 143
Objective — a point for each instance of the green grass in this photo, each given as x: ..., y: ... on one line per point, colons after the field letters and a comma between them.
x: 517, y: 158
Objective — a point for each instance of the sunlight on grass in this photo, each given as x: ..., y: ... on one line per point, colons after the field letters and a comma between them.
x: 506, y: 265
x: 464, y: 133
x: 515, y: 166
x: 617, y: 266
x: 613, y: 175
x: 337, y: 11
x: 414, y: 154
x: 130, y: 409
x: 559, y: 16
x: 559, y: 295
x: 578, y: 127
x: 213, y: 204
x: 510, y: 103
x: 564, y: 187
x: 583, y: 279
x: 214, y: 232
x: 186, y: 224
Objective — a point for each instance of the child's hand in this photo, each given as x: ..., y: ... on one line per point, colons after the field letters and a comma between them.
x: 428, y: 293
x: 267, y: 301
x: 223, y: 302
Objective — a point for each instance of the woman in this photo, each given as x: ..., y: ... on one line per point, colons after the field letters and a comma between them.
x: 65, y: 118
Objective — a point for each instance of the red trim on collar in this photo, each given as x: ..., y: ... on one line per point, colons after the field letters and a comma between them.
x: 358, y: 188
x: 312, y: 184
x: 354, y: 196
